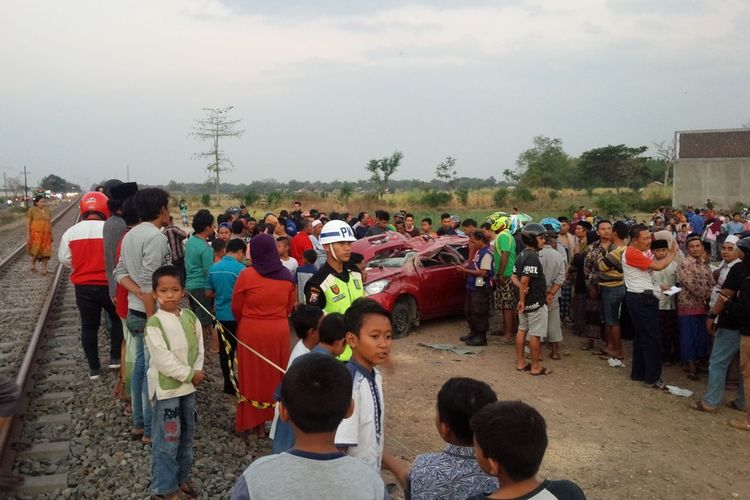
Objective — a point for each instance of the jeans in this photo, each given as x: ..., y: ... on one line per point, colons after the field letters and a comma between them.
x: 172, y: 449
x: 91, y: 300
x: 726, y: 345
x: 644, y: 309
x: 136, y: 323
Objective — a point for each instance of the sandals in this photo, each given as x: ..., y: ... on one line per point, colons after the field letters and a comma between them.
x: 556, y: 357
x: 188, y: 489
x: 741, y: 424
x: 545, y: 371
x: 586, y: 347
x: 136, y: 434
x: 733, y: 405
x: 526, y: 368
x: 699, y: 406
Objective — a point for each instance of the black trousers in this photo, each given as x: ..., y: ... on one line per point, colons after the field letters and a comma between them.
x: 227, y: 359
x: 644, y: 311
x: 477, y: 310
x: 91, y: 299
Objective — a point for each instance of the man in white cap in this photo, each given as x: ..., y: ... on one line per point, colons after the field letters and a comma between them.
x: 317, y: 227
x: 724, y: 329
x: 337, y: 284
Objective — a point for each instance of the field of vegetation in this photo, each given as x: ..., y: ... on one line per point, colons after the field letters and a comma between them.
x: 477, y: 203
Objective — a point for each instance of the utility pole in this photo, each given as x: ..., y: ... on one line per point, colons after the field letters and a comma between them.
x: 127, y: 174
x: 25, y: 186
x: 5, y: 185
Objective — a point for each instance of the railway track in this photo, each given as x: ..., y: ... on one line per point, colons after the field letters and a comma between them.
x: 26, y: 300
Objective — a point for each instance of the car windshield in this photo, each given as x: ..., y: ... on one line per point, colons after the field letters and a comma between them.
x: 395, y: 259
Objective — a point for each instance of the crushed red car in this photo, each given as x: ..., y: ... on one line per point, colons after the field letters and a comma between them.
x: 414, y: 278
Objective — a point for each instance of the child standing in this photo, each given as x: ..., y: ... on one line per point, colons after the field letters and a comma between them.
x: 282, y: 246
x: 454, y: 472
x: 328, y: 334
x: 219, y: 286
x: 510, y: 438
x: 175, y: 341
x: 368, y: 333
x: 305, y: 272
x: 317, y: 395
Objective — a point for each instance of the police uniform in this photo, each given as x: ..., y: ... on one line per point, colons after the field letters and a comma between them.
x: 334, y: 292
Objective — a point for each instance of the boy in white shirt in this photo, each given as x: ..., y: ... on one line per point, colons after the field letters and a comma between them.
x: 174, y: 337
x: 369, y: 335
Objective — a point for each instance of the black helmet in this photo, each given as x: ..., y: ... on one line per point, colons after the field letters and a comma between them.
x: 744, y: 245
x: 529, y: 233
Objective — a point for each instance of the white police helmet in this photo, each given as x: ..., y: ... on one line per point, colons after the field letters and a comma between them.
x: 336, y: 231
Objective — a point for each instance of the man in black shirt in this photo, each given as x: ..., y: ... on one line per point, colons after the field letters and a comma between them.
x: 528, y: 276
x: 446, y: 226
x: 726, y: 332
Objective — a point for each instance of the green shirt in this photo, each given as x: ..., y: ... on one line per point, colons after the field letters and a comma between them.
x: 199, y: 257
x: 505, y: 242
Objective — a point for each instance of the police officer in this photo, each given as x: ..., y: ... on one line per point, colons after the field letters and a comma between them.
x: 337, y: 283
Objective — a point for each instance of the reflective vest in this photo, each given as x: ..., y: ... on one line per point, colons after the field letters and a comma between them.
x: 340, y: 295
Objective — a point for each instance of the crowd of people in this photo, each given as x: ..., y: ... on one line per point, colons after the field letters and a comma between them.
x: 247, y: 279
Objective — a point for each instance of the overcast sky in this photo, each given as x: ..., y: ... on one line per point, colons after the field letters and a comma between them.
x: 88, y: 87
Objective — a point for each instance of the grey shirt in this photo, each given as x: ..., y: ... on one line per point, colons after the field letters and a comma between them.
x: 554, y: 266
x: 299, y: 474
x: 112, y: 231
x: 144, y: 250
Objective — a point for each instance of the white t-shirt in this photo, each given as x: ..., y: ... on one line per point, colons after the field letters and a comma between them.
x: 290, y: 264
x: 636, y: 273
x: 362, y: 433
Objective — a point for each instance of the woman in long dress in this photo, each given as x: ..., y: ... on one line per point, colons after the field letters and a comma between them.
x: 39, y: 242
x: 263, y: 298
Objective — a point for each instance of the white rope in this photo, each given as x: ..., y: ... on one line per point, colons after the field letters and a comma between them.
x: 239, y: 342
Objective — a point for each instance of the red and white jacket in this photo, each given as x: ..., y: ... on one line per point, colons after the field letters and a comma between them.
x: 82, y: 249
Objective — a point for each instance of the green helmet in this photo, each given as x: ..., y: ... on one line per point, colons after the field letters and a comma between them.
x: 498, y: 221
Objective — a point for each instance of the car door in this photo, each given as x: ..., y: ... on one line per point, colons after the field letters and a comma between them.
x: 441, y: 286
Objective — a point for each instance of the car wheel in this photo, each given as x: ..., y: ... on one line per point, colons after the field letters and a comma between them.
x: 401, y: 319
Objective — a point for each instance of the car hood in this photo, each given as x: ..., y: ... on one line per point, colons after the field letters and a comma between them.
x: 379, y: 273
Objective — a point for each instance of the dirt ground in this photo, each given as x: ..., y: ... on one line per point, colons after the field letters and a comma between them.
x: 612, y: 436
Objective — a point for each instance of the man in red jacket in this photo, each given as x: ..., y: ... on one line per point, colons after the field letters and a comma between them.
x: 82, y: 249
x: 302, y: 242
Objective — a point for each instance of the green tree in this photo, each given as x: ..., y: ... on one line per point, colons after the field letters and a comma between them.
x: 446, y: 171
x: 345, y: 192
x: 614, y: 166
x: 273, y: 199
x: 251, y: 198
x: 381, y: 171
x: 57, y: 184
x: 544, y: 165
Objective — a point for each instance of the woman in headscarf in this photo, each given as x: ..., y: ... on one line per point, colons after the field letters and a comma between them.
x: 39, y: 225
x: 262, y: 300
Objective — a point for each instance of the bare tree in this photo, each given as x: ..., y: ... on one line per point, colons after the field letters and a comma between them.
x: 667, y: 152
x: 14, y: 185
x: 217, y: 123
x: 446, y: 171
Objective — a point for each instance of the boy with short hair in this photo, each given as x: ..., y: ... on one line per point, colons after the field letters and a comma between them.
x: 317, y: 395
x: 510, y: 438
x: 305, y: 272
x: 305, y: 320
x: 282, y: 247
x: 222, y: 277
x: 175, y: 341
x: 427, y: 228
x: 329, y: 333
x: 368, y: 327
x: 219, y: 247
x: 453, y: 473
